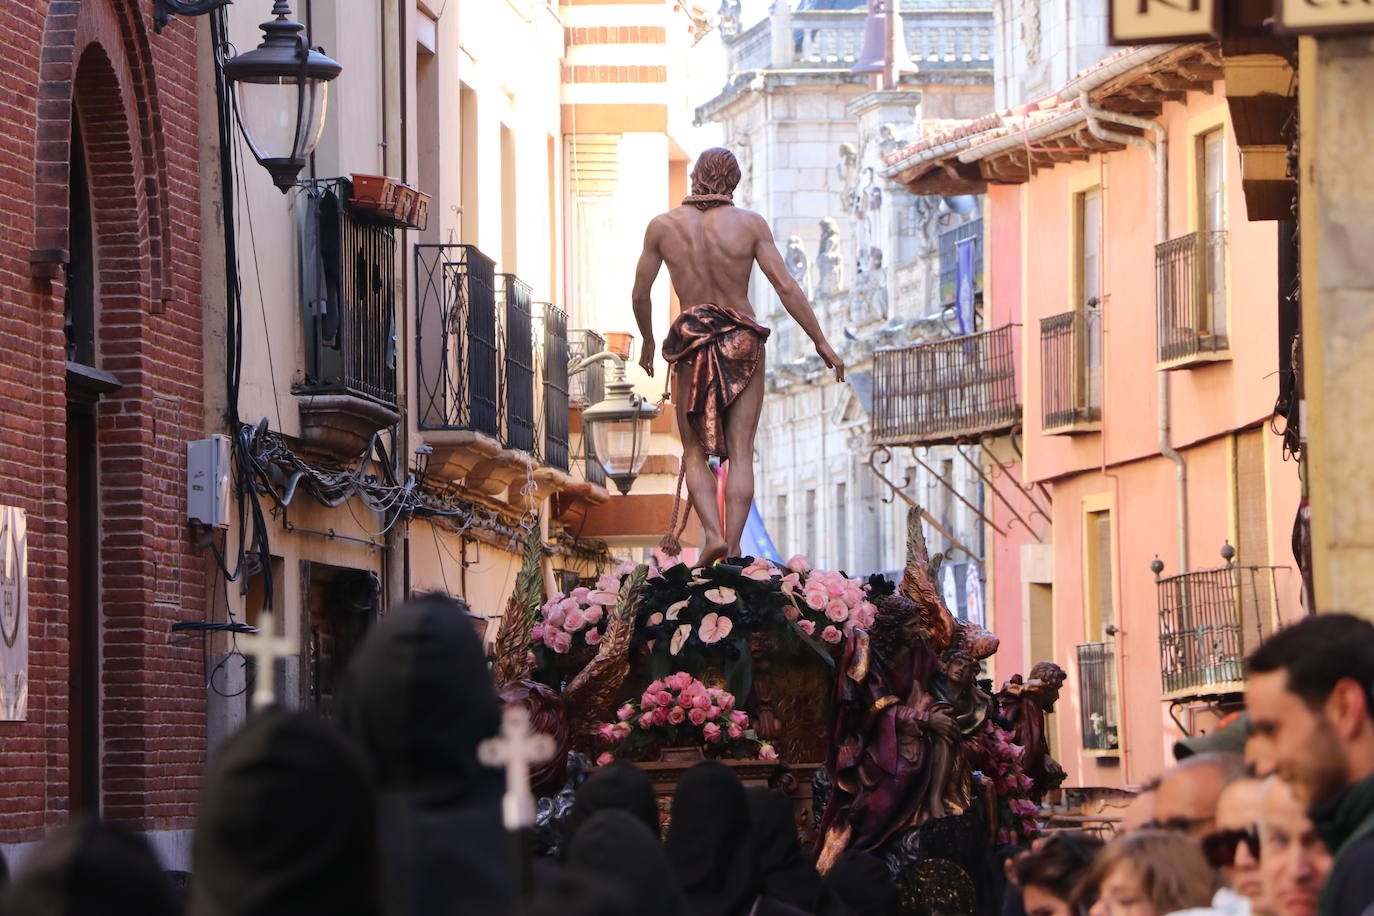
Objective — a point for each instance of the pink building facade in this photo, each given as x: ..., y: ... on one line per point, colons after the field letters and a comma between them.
x: 1140, y: 529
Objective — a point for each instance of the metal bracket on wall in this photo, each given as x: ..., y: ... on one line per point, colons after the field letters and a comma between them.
x: 1028, y: 490
x: 901, y: 491
x: 164, y: 10
x: 996, y: 491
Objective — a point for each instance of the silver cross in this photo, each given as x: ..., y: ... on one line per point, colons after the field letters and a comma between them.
x: 266, y: 647
x: 517, y: 748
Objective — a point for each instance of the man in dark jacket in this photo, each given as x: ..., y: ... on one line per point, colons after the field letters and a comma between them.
x: 1312, y: 723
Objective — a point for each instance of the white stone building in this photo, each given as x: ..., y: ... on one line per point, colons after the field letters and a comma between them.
x: 811, y: 138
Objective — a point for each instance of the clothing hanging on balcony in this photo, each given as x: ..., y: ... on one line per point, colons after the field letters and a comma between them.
x: 321, y: 262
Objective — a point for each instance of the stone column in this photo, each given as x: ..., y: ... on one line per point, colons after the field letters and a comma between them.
x: 1337, y: 222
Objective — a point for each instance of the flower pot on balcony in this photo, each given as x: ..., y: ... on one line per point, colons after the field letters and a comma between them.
x: 402, y: 201
x: 618, y: 342
x: 372, y: 191
x: 419, y: 211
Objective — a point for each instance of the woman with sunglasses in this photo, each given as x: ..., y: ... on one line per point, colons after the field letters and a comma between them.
x: 1234, y: 846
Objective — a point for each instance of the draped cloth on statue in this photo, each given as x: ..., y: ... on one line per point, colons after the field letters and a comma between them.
x: 720, y: 349
x: 881, y: 761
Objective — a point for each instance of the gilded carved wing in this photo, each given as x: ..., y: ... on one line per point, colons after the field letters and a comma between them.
x: 592, y: 694
x: 918, y: 585
x: 513, y: 637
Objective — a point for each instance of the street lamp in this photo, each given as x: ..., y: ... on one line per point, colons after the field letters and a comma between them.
x: 281, y: 77
x: 281, y: 88
x: 618, y: 425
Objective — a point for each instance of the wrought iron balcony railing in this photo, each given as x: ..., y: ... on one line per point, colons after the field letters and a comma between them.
x: 946, y: 390
x: 1209, y: 621
x: 1098, y: 696
x: 350, y: 331
x: 457, y: 344
x: 518, y: 359
x: 1190, y: 297
x: 554, y: 367
x: 487, y: 359
x: 1071, y: 369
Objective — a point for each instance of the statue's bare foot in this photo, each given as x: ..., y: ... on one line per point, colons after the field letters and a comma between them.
x: 713, y: 550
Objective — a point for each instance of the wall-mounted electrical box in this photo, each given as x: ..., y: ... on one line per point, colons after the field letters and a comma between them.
x: 207, y: 481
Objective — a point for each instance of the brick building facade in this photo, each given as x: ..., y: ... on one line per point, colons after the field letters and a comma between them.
x: 100, y: 389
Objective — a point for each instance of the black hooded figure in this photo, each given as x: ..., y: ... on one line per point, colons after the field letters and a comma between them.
x: 863, y: 882
x: 621, y: 786
x: 711, y: 848
x: 787, y: 872
x: 287, y: 824
x: 418, y: 700
x: 579, y: 893
x: 90, y: 868
x: 615, y: 844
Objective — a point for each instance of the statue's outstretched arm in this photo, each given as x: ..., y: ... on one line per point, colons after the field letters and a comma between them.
x: 646, y: 271
x: 793, y: 299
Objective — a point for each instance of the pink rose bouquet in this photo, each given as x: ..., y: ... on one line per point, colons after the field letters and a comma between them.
x: 578, y: 618
x: 680, y: 710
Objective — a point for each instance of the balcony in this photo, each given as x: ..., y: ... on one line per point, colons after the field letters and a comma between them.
x: 946, y: 391
x: 1071, y: 371
x: 347, y: 391
x: 1097, y: 696
x: 1190, y: 282
x: 491, y: 368
x: 1209, y: 621
x: 940, y: 35
x: 948, y: 243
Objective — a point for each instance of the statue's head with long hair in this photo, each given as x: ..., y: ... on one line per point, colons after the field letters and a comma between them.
x: 714, y: 179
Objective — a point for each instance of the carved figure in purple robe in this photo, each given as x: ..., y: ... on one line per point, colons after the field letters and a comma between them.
x: 893, y: 745
x: 1024, y: 705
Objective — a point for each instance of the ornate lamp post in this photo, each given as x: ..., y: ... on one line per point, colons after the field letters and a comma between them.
x: 618, y: 425
x: 281, y: 88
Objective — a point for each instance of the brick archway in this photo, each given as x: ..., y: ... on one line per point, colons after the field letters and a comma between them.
x: 118, y: 30
x: 98, y: 76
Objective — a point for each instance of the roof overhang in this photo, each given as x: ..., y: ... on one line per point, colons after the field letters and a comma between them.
x: 1009, y: 146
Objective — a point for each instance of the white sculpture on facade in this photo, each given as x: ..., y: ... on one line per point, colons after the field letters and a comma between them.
x: 798, y: 265
x: 829, y: 269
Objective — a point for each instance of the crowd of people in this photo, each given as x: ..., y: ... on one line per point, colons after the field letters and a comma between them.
x: 1276, y: 818
x: 386, y: 811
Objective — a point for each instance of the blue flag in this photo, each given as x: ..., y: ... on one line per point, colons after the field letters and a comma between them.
x: 756, y: 542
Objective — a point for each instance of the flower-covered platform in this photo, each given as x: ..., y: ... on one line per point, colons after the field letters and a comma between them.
x: 798, y: 678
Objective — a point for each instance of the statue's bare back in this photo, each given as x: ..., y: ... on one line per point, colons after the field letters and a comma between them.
x: 710, y: 254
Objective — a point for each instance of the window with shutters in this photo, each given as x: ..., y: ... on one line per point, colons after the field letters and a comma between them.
x: 1097, y: 657
x: 1071, y: 342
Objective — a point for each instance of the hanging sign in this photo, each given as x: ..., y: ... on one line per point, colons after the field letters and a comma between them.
x: 1296, y: 17
x: 14, y: 615
x: 1133, y: 22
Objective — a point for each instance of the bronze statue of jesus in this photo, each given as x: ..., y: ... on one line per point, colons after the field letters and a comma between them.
x: 715, y: 347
